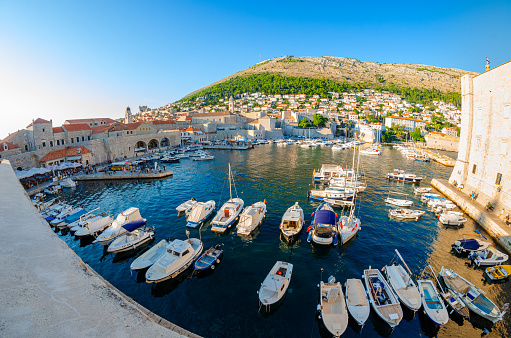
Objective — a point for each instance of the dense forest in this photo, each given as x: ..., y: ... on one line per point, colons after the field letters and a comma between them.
x: 272, y: 84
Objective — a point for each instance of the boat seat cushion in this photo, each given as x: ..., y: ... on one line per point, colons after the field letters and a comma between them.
x: 332, y: 295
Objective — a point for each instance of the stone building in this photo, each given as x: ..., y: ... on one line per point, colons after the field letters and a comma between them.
x: 216, y: 117
x: 442, y: 141
x: 410, y: 124
x: 484, y: 150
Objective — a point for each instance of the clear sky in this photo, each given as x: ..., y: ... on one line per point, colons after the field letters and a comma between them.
x: 78, y: 59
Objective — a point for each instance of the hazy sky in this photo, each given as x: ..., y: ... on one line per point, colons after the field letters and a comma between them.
x: 78, y: 59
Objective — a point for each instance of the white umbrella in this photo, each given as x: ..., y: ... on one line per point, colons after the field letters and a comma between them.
x: 76, y: 164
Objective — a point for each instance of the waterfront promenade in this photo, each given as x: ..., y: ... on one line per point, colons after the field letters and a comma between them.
x: 494, y: 225
x: 48, y: 291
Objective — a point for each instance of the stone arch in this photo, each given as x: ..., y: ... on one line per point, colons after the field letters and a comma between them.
x: 164, y: 142
x: 153, y: 144
x: 140, y: 146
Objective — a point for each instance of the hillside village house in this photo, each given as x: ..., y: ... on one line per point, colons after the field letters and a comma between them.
x: 408, y: 123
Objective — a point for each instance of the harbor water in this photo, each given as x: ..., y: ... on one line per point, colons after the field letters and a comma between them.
x: 224, y: 303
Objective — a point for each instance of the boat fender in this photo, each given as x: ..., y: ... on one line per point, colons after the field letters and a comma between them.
x: 309, y: 228
x: 312, y: 215
x: 264, y: 201
x: 319, y: 308
x: 218, y: 261
x: 212, y: 267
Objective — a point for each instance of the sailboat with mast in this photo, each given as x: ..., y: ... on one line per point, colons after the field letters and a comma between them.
x: 229, y: 212
x: 348, y: 225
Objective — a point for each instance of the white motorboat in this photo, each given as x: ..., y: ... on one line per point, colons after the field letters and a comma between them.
x: 337, y: 193
x: 323, y: 228
x: 204, y: 157
x: 438, y: 209
x: 371, y: 151
x: 403, y: 285
x: 328, y: 171
x: 473, y: 297
x: 348, y: 226
x: 383, y: 300
x: 469, y: 245
x: 185, y: 206
x: 332, y: 307
x: 251, y: 217
x: 401, y: 176
x: 93, y: 226
x: 406, y: 213
x: 116, y: 229
x: 276, y: 283
x: 67, y: 183
x: 199, y: 213
x: 422, y: 190
x: 150, y: 257
x: 432, y: 303
x: 64, y: 214
x: 131, y: 240
x: 178, y: 256
x: 229, y: 212
x: 344, y: 182
x: 53, y: 210
x: 292, y: 222
x: 452, y: 218
x: 488, y: 257
x: 398, y: 202
x: 356, y: 300
x: 429, y: 197
x: 52, y: 189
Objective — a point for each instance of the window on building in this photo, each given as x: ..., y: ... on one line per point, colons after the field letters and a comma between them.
x: 44, y: 144
x: 474, y: 168
x: 498, y: 179
x: 478, y: 143
x: 58, y: 142
x: 72, y: 140
x: 88, y: 138
x: 51, y: 143
x: 83, y: 138
x: 506, y: 111
x: 62, y: 142
x: 503, y: 147
x: 43, y: 130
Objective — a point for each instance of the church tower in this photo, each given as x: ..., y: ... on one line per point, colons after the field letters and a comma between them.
x: 231, y: 104
x: 127, y: 116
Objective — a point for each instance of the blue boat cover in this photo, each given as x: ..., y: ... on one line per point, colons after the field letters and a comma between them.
x: 470, y: 244
x: 49, y: 218
x: 134, y: 225
x: 76, y: 216
x: 324, y: 217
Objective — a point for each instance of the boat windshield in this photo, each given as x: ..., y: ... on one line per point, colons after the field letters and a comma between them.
x: 323, y: 231
x: 175, y: 253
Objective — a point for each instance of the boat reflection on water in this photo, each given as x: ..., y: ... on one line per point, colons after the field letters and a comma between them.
x: 166, y: 287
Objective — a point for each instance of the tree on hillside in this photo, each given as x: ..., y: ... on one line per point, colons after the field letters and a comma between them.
x: 304, y: 123
x: 416, y: 135
x: 319, y: 120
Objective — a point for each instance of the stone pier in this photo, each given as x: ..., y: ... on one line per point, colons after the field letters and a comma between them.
x: 48, y: 291
x: 494, y: 225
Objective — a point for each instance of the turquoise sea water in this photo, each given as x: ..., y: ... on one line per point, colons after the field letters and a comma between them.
x: 225, y: 303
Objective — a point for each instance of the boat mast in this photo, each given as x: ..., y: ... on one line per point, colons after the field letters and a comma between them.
x: 230, y: 184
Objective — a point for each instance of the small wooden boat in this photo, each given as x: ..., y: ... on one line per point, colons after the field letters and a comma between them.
x: 499, y: 272
x: 383, y: 300
x: 251, y: 217
x: 356, y: 300
x: 134, y: 237
x: 332, y: 307
x: 431, y: 302
x: 398, y: 202
x: 488, y: 257
x: 421, y: 190
x: 276, y: 283
x: 473, y: 297
x: 426, y: 197
x: 292, y: 222
x: 469, y: 245
x: 406, y: 213
x: 150, y: 256
x: 402, y: 284
x: 209, y: 258
x: 93, y: 226
x: 401, y: 176
x: 452, y: 218
x: 452, y: 300
x: 199, y: 213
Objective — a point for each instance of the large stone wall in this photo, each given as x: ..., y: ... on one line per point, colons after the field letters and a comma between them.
x: 24, y: 161
x: 485, y: 140
x: 441, y: 143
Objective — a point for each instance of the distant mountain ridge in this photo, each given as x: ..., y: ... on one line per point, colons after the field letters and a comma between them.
x: 353, y: 71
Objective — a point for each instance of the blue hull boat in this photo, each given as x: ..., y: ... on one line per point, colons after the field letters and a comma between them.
x: 209, y: 259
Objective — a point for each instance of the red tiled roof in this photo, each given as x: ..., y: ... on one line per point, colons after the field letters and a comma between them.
x: 76, y: 126
x: 217, y: 113
x: 406, y: 118
x: 75, y: 121
x: 131, y: 126
x: 8, y: 138
x: 39, y: 120
x: 69, y: 151
x: 101, y: 129
x: 10, y: 146
x: 58, y: 130
x: 163, y: 122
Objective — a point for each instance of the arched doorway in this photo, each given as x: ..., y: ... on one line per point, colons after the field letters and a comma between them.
x: 140, y: 147
x: 164, y: 142
x: 153, y: 144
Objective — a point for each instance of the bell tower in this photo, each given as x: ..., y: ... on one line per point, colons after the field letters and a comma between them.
x: 127, y: 116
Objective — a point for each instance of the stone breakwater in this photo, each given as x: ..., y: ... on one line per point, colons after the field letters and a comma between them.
x: 47, y: 290
x: 495, y: 227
